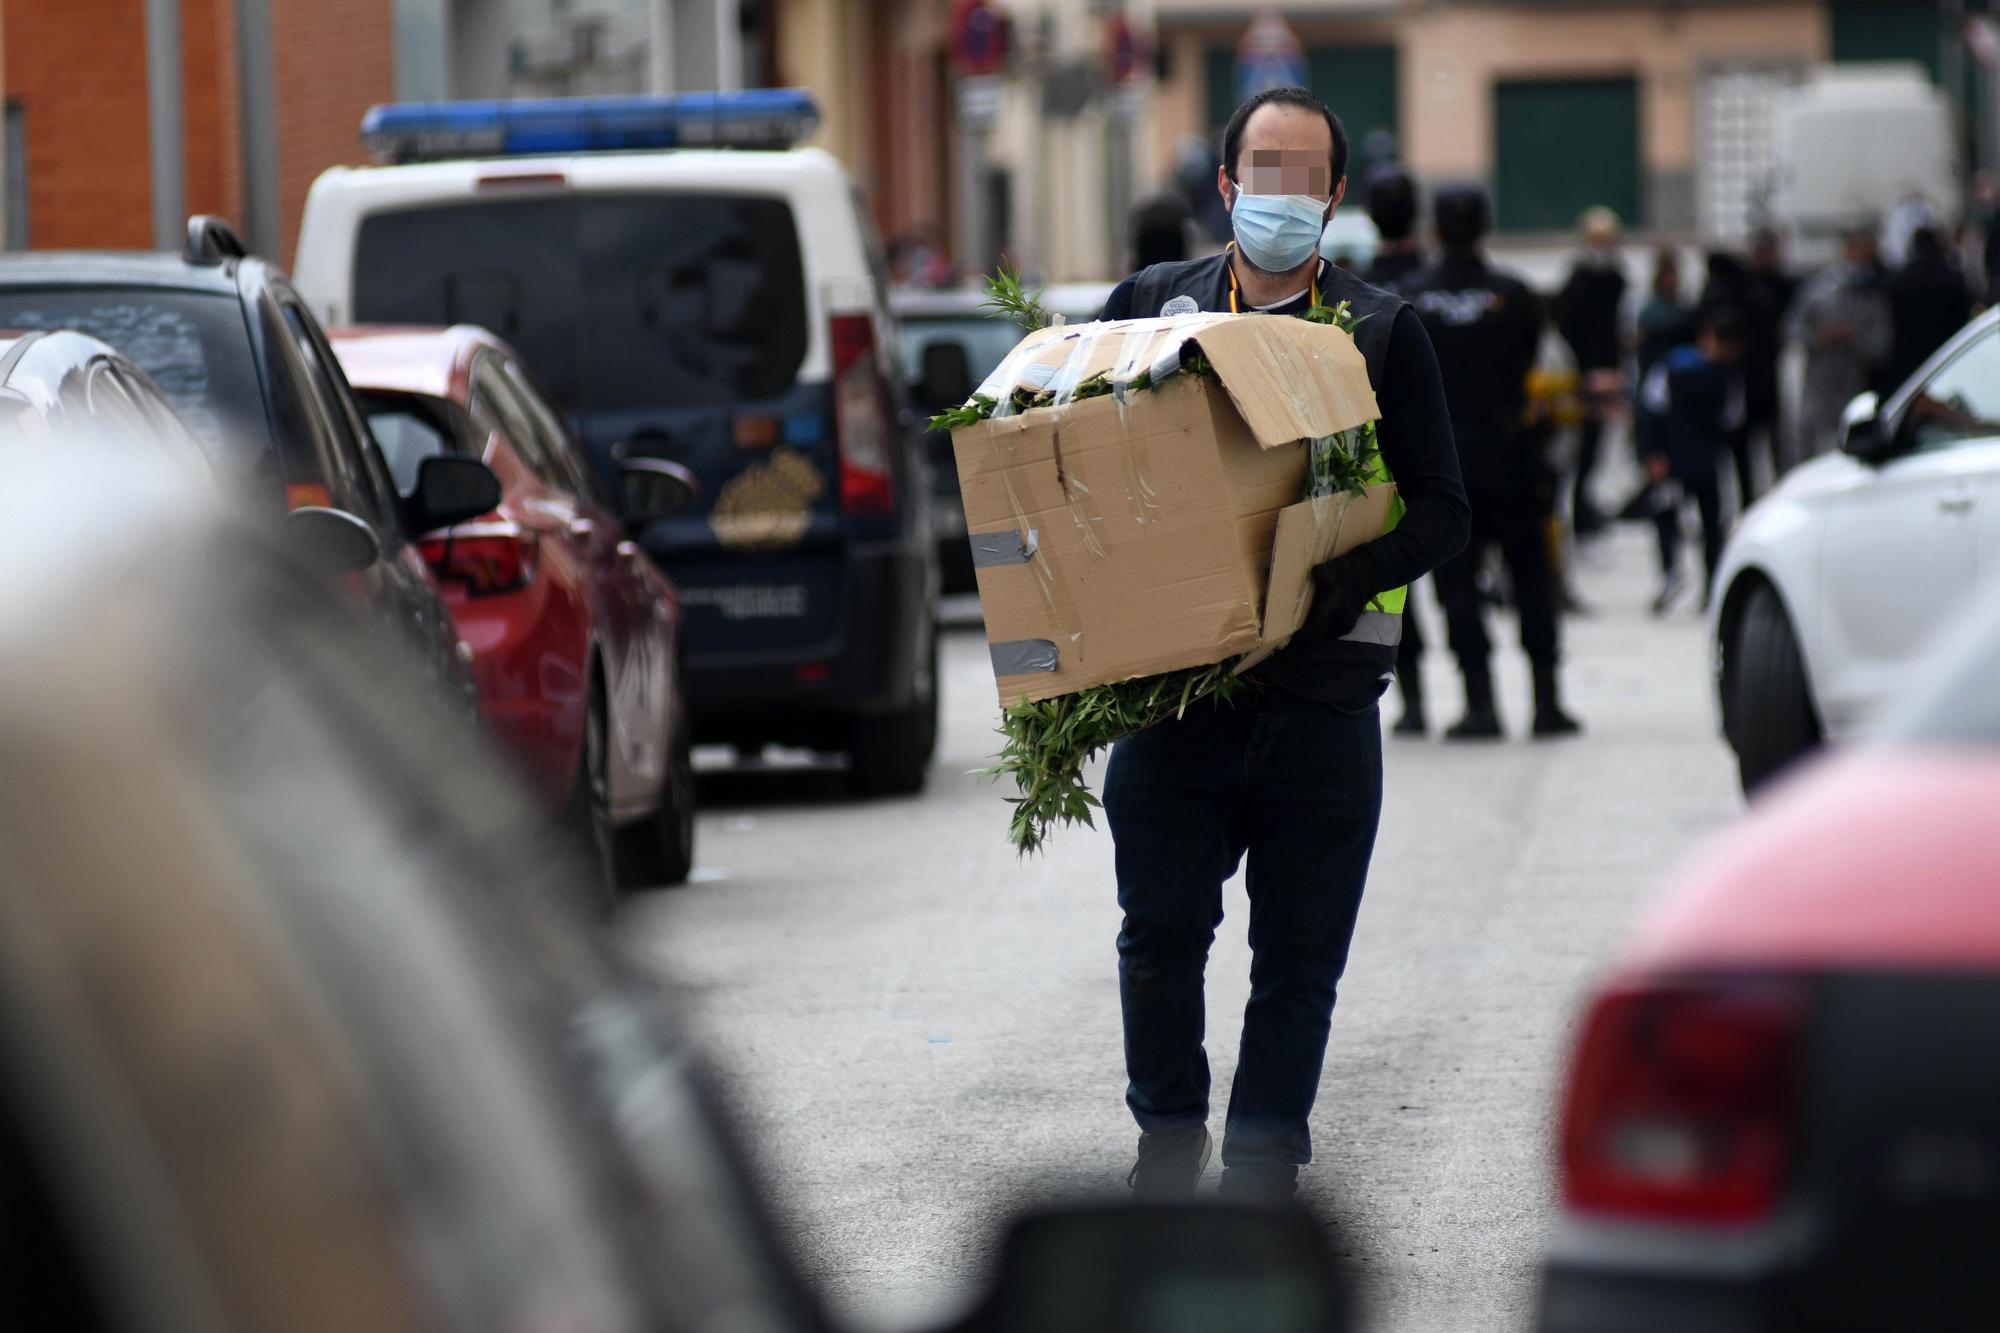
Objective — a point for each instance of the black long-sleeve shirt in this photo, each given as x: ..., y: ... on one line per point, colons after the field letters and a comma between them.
x: 1414, y: 434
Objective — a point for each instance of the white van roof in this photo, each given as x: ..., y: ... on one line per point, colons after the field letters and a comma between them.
x: 834, y: 247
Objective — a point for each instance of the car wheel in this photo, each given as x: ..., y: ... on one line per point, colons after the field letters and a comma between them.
x: 590, y: 805
x: 1771, y: 714
x: 891, y: 755
x: 659, y: 849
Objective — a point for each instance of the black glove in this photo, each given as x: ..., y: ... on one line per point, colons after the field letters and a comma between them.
x: 1342, y: 589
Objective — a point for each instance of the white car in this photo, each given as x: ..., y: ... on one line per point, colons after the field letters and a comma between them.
x: 1834, y: 581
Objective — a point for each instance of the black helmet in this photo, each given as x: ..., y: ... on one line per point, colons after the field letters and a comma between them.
x: 1392, y: 203
x: 1463, y: 214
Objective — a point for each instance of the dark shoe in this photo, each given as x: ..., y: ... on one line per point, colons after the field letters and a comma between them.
x: 1552, y: 722
x: 1170, y: 1164
x: 1260, y: 1184
x: 1550, y: 719
x: 1411, y: 723
x: 1477, y: 725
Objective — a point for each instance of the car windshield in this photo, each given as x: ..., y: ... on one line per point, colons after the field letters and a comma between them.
x: 193, y: 344
x: 410, y: 428
x: 986, y: 343
x: 616, y: 301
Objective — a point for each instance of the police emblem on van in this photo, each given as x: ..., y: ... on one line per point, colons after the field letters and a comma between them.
x: 768, y: 506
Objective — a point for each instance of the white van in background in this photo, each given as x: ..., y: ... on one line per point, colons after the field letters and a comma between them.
x: 1864, y: 143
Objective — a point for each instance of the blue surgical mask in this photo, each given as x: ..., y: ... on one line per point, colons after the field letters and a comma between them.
x: 1277, y: 232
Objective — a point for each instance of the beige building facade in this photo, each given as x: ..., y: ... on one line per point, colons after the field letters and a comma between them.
x: 1661, y: 109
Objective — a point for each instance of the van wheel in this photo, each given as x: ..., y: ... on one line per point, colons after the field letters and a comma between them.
x: 1771, y: 712
x: 891, y: 755
x: 659, y: 849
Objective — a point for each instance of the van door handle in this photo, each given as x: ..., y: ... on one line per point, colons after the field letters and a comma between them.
x: 1956, y: 504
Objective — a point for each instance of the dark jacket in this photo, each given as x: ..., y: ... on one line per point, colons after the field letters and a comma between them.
x: 1929, y: 300
x: 1587, y: 315
x: 1487, y: 328
x: 1689, y: 407
x: 1415, y: 436
x: 1392, y: 268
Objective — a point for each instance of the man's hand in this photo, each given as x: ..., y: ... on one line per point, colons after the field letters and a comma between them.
x: 1342, y: 589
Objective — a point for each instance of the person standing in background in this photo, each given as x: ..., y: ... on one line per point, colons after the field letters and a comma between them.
x: 1665, y: 322
x: 1842, y: 320
x: 1588, y: 314
x: 1731, y: 288
x: 1692, y: 403
x: 1392, y: 207
x: 1986, y: 216
x: 1929, y: 301
x: 1487, y: 327
x: 1161, y: 227
x: 1768, y: 292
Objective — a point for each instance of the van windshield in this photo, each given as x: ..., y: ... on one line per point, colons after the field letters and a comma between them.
x: 615, y: 301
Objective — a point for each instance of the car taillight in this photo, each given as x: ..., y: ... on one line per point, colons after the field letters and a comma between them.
x: 482, y: 562
x: 1682, y: 1100
x: 861, y: 419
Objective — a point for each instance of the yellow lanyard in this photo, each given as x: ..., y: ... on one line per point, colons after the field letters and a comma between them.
x: 1231, y: 266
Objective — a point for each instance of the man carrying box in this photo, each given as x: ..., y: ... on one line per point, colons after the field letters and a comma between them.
x: 1289, y: 773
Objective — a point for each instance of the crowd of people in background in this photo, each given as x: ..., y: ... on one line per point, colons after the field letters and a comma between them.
x: 1694, y: 367
x: 1689, y: 368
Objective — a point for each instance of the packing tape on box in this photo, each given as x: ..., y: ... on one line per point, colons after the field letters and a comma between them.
x: 1137, y: 357
x: 1007, y: 547
x: 1022, y: 657
x: 1074, y: 369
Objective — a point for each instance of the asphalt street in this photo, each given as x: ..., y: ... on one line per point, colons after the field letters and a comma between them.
x: 920, y: 1033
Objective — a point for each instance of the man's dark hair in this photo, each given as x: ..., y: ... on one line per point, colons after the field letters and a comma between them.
x: 1392, y: 203
x: 1462, y: 215
x: 1725, y: 324
x: 1232, y: 134
x: 1160, y: 231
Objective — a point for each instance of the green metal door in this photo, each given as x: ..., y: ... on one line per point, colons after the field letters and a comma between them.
x: 1358, y: 82
x: 1889, y: 30
x: 1564, y: 145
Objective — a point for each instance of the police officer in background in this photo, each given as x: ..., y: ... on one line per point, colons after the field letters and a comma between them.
x: 1487, y: 328
x: 1392, y: 207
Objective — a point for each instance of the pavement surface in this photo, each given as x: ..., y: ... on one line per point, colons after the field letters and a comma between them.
x: 920, y: 1034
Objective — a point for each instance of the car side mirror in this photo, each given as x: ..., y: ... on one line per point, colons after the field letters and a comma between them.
x: 1862, y: 434
x: 1125, y: 1268
x: 450, y: 489
x: 946, y: 380
x: 332, y: 542
x: 650, y: 489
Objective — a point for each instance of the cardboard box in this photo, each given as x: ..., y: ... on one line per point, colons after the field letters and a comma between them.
x: 1121, y: 537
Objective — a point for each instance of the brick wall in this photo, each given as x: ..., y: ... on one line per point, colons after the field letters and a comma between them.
x: 332, y: 62
x: 211, y: 153
x: 77, y: 68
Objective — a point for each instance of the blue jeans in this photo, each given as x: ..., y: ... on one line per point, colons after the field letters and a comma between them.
x: 1297, y: 786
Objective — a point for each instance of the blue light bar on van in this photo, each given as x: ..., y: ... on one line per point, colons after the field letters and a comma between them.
x: 427, y: 131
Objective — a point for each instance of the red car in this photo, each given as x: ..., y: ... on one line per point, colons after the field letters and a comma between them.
x: 575, y: 635
x: 1783, y: 1112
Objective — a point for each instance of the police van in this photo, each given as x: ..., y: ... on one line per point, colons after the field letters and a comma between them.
x: 687, y: 284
